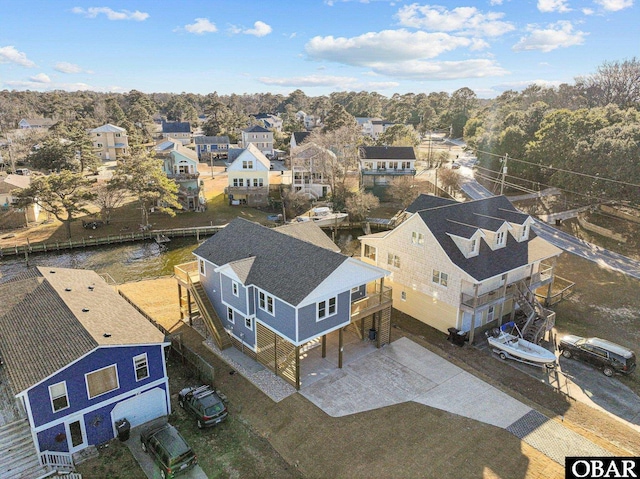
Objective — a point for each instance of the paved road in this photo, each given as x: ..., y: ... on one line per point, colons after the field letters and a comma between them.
x: 567, y: 242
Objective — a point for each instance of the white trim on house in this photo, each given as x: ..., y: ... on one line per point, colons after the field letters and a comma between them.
x: 146, y: 365
x: 66, y: 395
x: 86, y: 381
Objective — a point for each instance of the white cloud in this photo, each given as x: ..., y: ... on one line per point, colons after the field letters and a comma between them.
x: 547, y: 6
x: 556, y: 35
x: 201, y: 26
x: 385, y: 46
x: 521, y: 85
x: 614, y: 5
x: 588, y: 11
x: 260, y: 29
x: 41, y: 78
x: 93, y: 12
x: 461, y: 19
x: 34, y: 84
x: 381, y: 85
x: 65, y: 67
x: 9, y: 54
x: 449, y: 70
x: 309, y: 81
x: 495, y: 2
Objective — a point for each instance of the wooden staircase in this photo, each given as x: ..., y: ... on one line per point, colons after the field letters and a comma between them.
x: 209, y: 316
x: 537, y: 320
x: 19, y: 458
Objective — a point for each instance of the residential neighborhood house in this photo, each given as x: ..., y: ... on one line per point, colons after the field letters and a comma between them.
x: 79, y: 359
x: 212, y: 147
x: 297, y: 137
x: 36, y: 123
x: 259, y: 137
x: 466, y: 265
x: 269, y: 121
x: 309, y: 169
x: 248, y: 177
x: 110, y: 142
x: 271, y: 293
x: 9, y: 186
x: 379, y: 165
x: 177, y: 130
x: 181, y: 165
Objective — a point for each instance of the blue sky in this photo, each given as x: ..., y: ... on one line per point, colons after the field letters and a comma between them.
x: 318, y: 46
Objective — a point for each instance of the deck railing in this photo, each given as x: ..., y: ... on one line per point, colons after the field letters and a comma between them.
x: 374, y: 301
x: 57, y: 461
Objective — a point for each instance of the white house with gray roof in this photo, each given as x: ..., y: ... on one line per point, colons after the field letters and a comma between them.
x: 466, y: 265
x: 275, y: 292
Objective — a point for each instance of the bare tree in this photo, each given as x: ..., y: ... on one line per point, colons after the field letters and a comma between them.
x: 449, y: 179
x: 403, y: 190
x: 108, y: 196
x: 359, y: 204
x: 614, y: 82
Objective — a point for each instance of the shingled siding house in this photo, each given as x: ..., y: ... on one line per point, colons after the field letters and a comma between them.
x: 379, y: 165
x: 466, y: 265
x: 275, y: 292
x: 177, y: 130
x: 181, y: 165
x: 78, y: 358
x: 212, y: 147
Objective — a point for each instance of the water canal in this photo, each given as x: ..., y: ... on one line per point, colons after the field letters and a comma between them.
x: 133, y: 261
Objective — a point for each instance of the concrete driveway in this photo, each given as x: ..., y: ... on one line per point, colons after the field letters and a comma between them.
x: 146, y: 462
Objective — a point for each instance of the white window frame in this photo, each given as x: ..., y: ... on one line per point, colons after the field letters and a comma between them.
x: 266, y: 303
x: 442, y: 278
x: 355, y: 289
x: 525, y: 232
x: 86, y: 381
x: 136, y: 367
x: 231, y: 315
x: 370, y: 252
x: 500, y: 238
x: 417, y: 238
x: 248, y: 323
x: 393, y: 260
x: 328, y: 307
x: 474, y: 245
x: 403, y: 295
x: 235, y: 289
x: 202, y: 268
x: 65, y: 395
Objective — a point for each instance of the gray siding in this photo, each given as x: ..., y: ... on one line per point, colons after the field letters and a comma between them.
x: 361, y: 293
x: 237, y: 302
x: 284, y: 320
x: 309, y: 327
x: 251, y: 291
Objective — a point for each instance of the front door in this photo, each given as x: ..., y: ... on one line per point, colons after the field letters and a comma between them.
x: 76, y: 435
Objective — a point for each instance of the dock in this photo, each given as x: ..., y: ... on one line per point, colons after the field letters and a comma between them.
x: 162, y: 235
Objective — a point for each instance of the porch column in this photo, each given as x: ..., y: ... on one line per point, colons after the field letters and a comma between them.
x: 189, y: 304
x: 180, y: 300
x: 340, y: 348
x: 324, y: 345
x: 298, y: 368
x: 473, y: 316
x: 378, y: 326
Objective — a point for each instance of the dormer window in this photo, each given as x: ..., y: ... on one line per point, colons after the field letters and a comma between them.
x: 474, y: 246
x: 500, y: 237
x: 525, y: 232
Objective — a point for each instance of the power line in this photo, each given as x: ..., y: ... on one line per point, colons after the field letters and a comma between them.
x: 595, y: 177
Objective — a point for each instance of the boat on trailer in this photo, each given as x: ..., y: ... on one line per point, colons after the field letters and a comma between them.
x: 511, y: 346
x: 323, y: 216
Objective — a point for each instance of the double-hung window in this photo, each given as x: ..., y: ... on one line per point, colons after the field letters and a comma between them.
x: 234, y: 288
x: 59, y: 397
x: 393, y: 260
x: 265, y: 302
x: 102, y: 381
x: 327, y: 308
x: 230, y: 316
x: 417, y: 238
x: 500, y: 238
x: 141, y: 366
x: 440, y: 278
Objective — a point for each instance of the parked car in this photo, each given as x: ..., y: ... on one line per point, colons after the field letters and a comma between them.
x: 204, y: 403
x: 608, y: 356
x: 169, y: 450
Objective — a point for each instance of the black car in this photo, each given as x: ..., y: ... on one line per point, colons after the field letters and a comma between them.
x: 608, y: 356
x: 169, y: 450
x: 204, y: 403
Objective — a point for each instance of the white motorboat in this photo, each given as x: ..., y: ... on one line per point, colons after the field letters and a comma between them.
x: 514, y: 347
x: 323, y: 216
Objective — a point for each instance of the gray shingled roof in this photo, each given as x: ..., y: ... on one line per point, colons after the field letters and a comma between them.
x: 300, y: 136
x: 211, y: 140
x: 176, y: 127
x: 488, y: 213
x: 50, y: 317
x: 256, y: 129
x: 424, y: 202
x: 387, y: 153
x: 284, y: 266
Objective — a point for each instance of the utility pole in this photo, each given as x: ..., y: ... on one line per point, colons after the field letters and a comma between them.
x: 504, y: 172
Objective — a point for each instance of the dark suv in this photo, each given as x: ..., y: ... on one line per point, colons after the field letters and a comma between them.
x: 605, y: 355
x: 204, y: 403
x: 169, y: 450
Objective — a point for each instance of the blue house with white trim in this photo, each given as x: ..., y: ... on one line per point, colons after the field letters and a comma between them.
x: 79, y: 358
x: 275, y: 290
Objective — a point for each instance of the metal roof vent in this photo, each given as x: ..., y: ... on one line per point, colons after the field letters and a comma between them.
x: 107, y: 335
x: 85, y: 310
x: 90, y: 288
x: 67, y: 289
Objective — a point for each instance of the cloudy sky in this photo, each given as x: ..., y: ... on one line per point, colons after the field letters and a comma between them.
x: 318, y: 46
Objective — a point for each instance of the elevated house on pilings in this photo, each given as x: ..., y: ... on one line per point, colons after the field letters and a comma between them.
x: 271, y: 294
x: 469, y: 266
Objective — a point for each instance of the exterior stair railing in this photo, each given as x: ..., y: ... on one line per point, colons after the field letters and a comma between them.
x: 211, y: 319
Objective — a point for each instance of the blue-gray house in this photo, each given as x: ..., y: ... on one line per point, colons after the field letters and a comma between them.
x: 274, y: 290
x: 78, y: 358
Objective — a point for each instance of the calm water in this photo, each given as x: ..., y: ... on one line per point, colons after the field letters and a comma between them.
x: 134, y: 261
x: 125, y: 262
